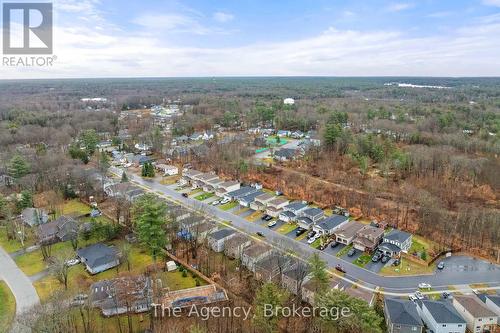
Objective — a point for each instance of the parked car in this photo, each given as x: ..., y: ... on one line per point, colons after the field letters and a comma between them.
x: 446, y: 295
x: 440, y: 265
x: 419, y: 295
x: 334, y: 244
x: 339, y: 268
x: 225, y: 201
x: 376, y: 257
x: 424, y: 285
x: 299, y: 231
x: 385, y: 259
x: 185, y: 195
x: 260, y: 234
x: 351, y: 252
x: 272, y: 224
x: 267, y: 217
x: 216, y: 202
x: 312, y: 239
x: 311, y: 234
x: 412, y: 298
x: 396, y: 262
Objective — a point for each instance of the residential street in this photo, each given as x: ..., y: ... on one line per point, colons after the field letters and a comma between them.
x: 19, y: 284
x: 483, y: 273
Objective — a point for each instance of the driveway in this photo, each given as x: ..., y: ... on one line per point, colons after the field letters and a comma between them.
x: 18, y: 282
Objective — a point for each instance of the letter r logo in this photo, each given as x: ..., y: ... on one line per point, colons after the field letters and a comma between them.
x: 27, y: 28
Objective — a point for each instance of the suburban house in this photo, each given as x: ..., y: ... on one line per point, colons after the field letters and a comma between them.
x: 125, y: 190
x: 285, y: 154
x: 328, y: 225
x: 309, y: 291
x: 395, y: 242
x: 198, y: 296
x: 441, y: 316
x: 478, y: 316
x: 292, y: 210
x: 493, y: 303
x: 217, y: 239
x: 34, y: 216
x: 62, y: 229
x: 254, y: 253
x: 269, y: 268
x: 191, y: 175
x: 313, y: 213
x: 121, y: 295
x: 261, y: 201
x: 275, y: 206
x: 226, y: 187
x: 401, y: 316
x: 211, y: 185
x: 98, y: 257
x: 294, y: 278
x: 248, y: 199
x: 168, y: 170
x: 240, y: 193
x: 235, y: 246
x: 346, y: 234
x: 368, y: 238
x: 142, y: 159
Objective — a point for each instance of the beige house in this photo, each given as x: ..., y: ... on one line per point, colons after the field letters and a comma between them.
x: 347, y: 233
x: 477, y: 315
x: 261, y: 201
x: 368, y: 238
x: 254, y: 253
x: 235, y: 246
x: 275, y: 206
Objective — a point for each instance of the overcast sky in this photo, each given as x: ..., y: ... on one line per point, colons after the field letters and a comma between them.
x: 117, y: 38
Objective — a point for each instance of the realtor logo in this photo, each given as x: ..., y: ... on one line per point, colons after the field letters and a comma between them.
x: 27, y: 28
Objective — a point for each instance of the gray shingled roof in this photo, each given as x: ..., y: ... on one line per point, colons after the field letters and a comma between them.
x: 97, y: 254
x: 295, y: 206
x: 402, y: 312
x: 332, y: 222
x: 313, y: 211
x: 397, y: 235
x: 443, y: 312
x: 221, y: 234
x: 243, y: 191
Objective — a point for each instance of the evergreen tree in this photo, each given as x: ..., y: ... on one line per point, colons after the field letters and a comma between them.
x: 89, y: 139
x: 124, y: 178
x: 267, y: 299
x: 319, y: 273
x: 18, y: 167
x: 25, y: 201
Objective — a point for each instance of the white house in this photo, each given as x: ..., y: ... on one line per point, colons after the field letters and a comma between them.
x: 395, y: 242
x: 289, y: 101
x: 493, y: 303
x: 291, y: 211
x: 226, y: 187
x: 479, y: 318
x: 328, y: 225
x: 168, y: 170
x: 441, y: 317
x: 261, y: 201
x: 217, y: 239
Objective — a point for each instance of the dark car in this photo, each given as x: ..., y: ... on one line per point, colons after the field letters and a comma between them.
x: 334, y: 244
x: 340, y: 268
x: 376, y: 257
x: 396, y: 262
x: 267, y: 217
x: 260, y: 234
x: 185, y: 195
x: 351, y: 252
x: 299, y: 231
x: 385, y: 259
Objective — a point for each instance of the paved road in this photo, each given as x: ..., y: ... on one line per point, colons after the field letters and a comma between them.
x: 488, y: 274
x: 19, y: 284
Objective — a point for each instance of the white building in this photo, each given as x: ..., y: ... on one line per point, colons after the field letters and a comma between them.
x: 289, y: 101
x: 441, y: 317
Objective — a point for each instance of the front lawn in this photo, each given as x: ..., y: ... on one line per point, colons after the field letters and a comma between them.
x: 287, y: 228
x: 204, y: 196
x: 362, y: 260
x: 169, y: 180
x: 316, y: 243
x: 229, y: 205
x: 13, y: 245
x: 344, y: 250
x: 32, y: 263
x: 254, y: 216
x: 75, y: 207
x: 196, y: 190
x: 7, y: 307
x: 407, y: 267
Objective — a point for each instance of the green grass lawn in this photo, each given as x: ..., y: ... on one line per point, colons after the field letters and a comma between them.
x: 229, y: 205
x: 344, y: 250
x: 204, y: 196
x: 316, y: 243
x: 362, y: 260
x: 7, y: 307
x: 175, y: 281
x: 287, y: 228
x: 75, y: 207
x: 254, y: 216
x: 13, y: 245
x: 407, y: 267
x: 169, y: 180
x: 32, y: 263
x: 196, y: 190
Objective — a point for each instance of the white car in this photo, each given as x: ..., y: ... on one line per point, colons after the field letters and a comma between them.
x: 412, y: 298
x: 215, y: 203
x: 312, y: 239
x: 272, y: 224
x: 72, y: 262
x: 225, y: 201
x: 419, y: 295
x: 424, y: 285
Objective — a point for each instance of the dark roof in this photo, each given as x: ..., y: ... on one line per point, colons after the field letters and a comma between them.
x: 494, y: 298
x: 390, y: 247
x: 296, y: 205
x: 97, y: 254
x: 305, y: 220
x: 61, y: 227
x: 251, y: 197
x: 332, y: 222
x: 241, y: 192
x: 402, y: 312
x: 288, y: 213
x: 313, y: 211
x: 442, y: 312
x: 221, y: 234
x: 285, y: 152
x: 397, y: 235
